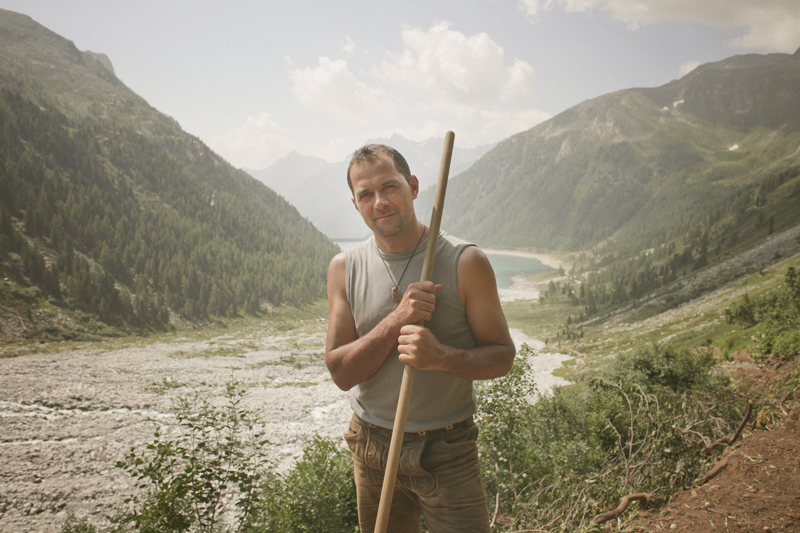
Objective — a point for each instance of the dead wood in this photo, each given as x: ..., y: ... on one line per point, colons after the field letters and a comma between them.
x: 623, y: 504
x: 714, y: 471
x: 731, y: 440
x: 783, y: 401
x: 10, y: 310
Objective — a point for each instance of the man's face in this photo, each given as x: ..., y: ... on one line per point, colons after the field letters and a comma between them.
x: 383, y: 197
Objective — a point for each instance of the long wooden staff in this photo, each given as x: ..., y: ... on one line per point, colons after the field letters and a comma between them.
x: 408, y: 372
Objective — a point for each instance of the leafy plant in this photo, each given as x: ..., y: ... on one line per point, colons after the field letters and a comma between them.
x: 775, y: 317
x: 504, y: 406
x: 213, y: 476
x: 641, y: 427
x: 318, y: 494
x: 184, y: 481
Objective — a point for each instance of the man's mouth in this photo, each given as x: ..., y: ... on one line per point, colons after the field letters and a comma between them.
x: 379, y: 217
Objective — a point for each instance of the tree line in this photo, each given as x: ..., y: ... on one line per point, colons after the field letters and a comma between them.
x: 131, y: 227
x: 635, y: 268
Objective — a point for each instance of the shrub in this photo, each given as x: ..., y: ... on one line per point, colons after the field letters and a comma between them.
x: 184, y: 481
x: 787, y: 344
x: 777, y: 315
x: 638, y: 428
x: 318, y: 494
x: 213, y: 477
x: 504, y: 407
x: 663, y: 365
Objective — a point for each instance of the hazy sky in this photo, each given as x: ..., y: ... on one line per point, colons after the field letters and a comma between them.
x: 257, y: 79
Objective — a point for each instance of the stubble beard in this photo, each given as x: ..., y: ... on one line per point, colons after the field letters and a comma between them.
x: 391, y: 230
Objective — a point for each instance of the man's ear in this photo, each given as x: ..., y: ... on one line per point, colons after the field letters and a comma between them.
x: 354, y: 204
x: 414, y: 183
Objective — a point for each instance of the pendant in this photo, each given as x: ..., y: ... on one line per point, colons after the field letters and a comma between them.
x: 396, y: 294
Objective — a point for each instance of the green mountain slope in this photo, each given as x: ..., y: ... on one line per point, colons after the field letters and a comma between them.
x: 108, y: 208
x: 642, y: 167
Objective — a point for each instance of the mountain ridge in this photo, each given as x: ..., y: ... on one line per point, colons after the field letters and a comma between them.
x: 627, y: 151
x: 114, y: 215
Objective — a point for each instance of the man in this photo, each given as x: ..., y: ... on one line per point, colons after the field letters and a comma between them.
x: 372, y: 333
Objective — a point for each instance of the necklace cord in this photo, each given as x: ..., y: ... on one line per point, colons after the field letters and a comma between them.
x: 397, y: 283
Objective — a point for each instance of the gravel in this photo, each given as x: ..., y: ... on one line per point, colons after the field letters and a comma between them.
x: 67, y: 417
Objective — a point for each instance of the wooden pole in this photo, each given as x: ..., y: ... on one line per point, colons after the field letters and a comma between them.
x: 408, y: 372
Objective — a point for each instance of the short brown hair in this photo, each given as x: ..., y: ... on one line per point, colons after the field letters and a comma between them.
x: 370, y: 154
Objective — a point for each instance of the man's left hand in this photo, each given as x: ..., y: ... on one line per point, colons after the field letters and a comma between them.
x: 419, y: 348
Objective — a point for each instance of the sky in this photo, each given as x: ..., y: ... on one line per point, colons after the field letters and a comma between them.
x: 257, y: 79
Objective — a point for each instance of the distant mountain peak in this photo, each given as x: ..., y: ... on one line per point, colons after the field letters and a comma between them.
x: 104, y: 60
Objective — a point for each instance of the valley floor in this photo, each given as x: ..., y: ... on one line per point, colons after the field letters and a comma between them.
x: 69, y: 411
x: 68, y: 414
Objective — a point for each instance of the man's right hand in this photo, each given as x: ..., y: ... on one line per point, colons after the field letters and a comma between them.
x: 418, y: 303
x: 352, y: 359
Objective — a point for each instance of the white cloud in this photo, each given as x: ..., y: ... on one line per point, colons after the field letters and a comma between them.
x: 770, y: 25
x: 687, y: 67
x: 532, y: 7
x: 256, y: 144
x: 441, y: 80
x: 446, y: 63
x: 348, y: 45
x: 332, y: 89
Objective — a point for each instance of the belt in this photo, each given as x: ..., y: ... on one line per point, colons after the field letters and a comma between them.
x: 414, y: 435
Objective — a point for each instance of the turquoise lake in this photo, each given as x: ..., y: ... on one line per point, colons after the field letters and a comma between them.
x: 505, y: 266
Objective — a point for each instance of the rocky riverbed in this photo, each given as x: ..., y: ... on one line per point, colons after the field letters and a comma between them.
x: 68, y: 414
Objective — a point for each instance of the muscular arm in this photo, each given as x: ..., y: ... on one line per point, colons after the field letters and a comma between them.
x: 494, y: 354
x: 352, y: 359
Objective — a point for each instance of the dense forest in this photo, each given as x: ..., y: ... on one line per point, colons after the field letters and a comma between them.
x: 111, y: 213
x: 106, y: 221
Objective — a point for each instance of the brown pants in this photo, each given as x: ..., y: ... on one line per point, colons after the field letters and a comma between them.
x: 438, y: 477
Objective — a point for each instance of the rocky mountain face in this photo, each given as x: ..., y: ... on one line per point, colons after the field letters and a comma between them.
x: 639, y: 165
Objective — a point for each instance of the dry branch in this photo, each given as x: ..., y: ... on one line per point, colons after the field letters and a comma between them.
x: 714, y: 471
x: 783, y: 401
x: 623, y: 504
x: 11, y: 309
x: 731, y: 440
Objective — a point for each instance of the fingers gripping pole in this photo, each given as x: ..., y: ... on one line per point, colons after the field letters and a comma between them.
x: 408, y: 372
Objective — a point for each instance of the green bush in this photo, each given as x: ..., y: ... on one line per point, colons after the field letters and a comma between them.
x: 787, y: 344
x: 214, y: 477
x: 638, y: 428
x: 318, y: 494
x: 184, y: 481
x: 504, y: 407
x: 663, y: 365
x: 775, y: 317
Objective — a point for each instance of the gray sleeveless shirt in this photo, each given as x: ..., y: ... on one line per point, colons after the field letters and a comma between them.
x: 438, y: 399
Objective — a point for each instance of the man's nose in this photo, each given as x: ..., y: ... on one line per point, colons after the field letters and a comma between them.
x: 381, y: 201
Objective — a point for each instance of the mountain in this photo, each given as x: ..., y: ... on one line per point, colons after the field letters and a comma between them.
x: 285, y: 174
x: 643, y: 167
x: 114, y: 216
x: 319, y: 190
